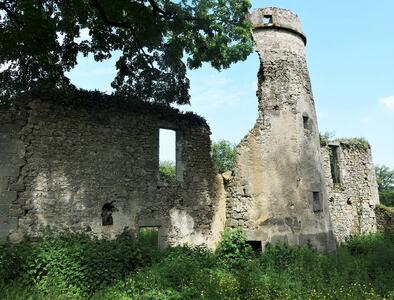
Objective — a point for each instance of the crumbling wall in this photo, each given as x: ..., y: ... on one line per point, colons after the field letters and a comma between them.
x: 277, y: 192
x: 352, y: 187
x: 12, y: 153
x: 95, y: 170
x: 384, y: 219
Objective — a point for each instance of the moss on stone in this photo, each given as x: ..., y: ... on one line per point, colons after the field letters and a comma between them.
x: 99, y: 101
x: 357, y: 142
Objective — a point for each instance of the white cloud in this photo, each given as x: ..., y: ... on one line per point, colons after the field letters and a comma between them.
x: 387, y: 102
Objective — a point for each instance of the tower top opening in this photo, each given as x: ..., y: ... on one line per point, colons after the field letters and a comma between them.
x: 278, y: 18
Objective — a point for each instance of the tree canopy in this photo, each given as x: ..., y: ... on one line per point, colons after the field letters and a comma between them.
x: 223, y: 156
x: 158, y: 40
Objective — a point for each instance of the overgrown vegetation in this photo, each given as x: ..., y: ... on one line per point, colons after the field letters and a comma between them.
x: 77, y: 267
x: 223, y: 156
x: 325, y: 138
x: 385, y: 178
x: 100, y: 103
x: 167, y: 171
x: 357, y: 142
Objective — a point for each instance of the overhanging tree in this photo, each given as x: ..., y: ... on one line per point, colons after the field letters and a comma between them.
x: 158, y: 41
x: 385, y: 178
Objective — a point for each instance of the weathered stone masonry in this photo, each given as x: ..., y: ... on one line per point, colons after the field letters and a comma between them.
x: 95, y: 168
x: 61, y: 165
x: 352, y: 188
x: 12, y: 153
x: 277, y: 192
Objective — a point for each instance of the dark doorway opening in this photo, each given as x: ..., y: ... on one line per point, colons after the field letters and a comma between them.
x: 256, y: 246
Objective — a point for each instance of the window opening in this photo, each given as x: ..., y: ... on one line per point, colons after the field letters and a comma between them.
x: 167, y: 156
x: 149, y: 236
x: 267, y: 19
x: 317, y: 205
x: 106, y: 214
x: 334, y: 164
x: 256, y: 246
x: 307, y: 123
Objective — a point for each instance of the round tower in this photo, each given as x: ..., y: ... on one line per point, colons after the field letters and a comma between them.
x: 278, y: 181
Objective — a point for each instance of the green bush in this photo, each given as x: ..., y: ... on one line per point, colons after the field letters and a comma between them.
x: 12, y: 261
x: 213, y: 284
x: 233, y: 249
x: 73, y: 265
x: 78, y: 267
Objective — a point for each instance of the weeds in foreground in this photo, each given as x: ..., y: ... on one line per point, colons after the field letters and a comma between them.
x: 78, y: 267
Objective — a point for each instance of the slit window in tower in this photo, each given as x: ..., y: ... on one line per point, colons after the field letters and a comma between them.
x: 317, y: 205
x: 267, y: 19
x: 167, y: 156
x: 307, y: 123
x: 334, y: 164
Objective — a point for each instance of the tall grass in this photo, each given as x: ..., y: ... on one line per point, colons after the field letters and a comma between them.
x: 77, y: 267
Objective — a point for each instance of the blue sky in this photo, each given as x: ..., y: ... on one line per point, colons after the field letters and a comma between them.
x: 351, y: 62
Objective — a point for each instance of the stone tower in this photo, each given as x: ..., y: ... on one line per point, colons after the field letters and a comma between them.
x: 277, y: 192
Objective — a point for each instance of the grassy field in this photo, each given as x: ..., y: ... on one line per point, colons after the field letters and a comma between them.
x: 77, y: 267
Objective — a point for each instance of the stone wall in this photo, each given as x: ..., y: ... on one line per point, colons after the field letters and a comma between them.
x: 91, y: 165
x: 277, y: 192
x: 63, y: 166
x: 384, y: 219
x: 352, y: 188
x: 12, y: 154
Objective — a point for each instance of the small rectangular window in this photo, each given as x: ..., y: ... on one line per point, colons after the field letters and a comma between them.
x: 334, y: 164
x: 167, y: 156
x: 317, y: 203
x: 267, y: 19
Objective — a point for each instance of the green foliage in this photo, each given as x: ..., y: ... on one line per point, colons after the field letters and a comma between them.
x: 98, y: 102
x: 357, y: 143
x: 325, y: 138
x: 149, y: 237
x: 223, y: 156
x: 385, y: 178
x: 64, y: 267
x: 217, y: 283
x: 167, y: 172
x: 390, y: 209
x: 72, y: 265
x: 40, y: 41
x: 233, y: 248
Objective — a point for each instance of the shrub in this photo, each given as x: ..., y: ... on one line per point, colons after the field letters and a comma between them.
x: 73, y: 265
x: 233, y: 249
x: 12, y: 261
x: 213, y: 284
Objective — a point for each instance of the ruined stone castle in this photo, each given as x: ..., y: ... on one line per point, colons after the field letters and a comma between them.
x: 95, y: 168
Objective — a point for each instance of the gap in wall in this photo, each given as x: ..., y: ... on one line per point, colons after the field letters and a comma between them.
x: 167, y: 155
